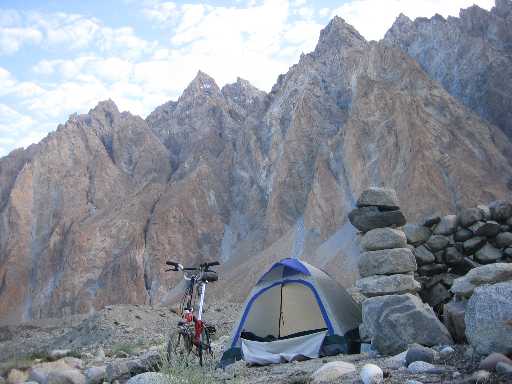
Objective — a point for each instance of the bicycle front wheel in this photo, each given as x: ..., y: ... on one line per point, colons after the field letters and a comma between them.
x: 204, y: 348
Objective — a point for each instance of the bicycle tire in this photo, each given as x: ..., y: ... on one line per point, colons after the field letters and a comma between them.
x: 179, y: 344
x: 204, y: 348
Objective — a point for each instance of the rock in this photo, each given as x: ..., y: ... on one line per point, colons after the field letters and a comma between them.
x: 368, y: 218
x: 380, y: 197
x: 413, y: 382
x: 508, y: 253
x: 435, y: 295
x: 396, y: 321
x: 472, y: 245
x: 503, y: 240
x: 100, y: 355
x: 387, y: 261
x: 469, y: 216
x: 486, y: 212
x: 431, y: 221
x: 490, y: 362
x: 437, y: 243
x: 418, y: 352
x: 465, y: 266
x: 432, y: 269
x: 447, y: 226
x: 488, y: 254
x: 453, y: 319
x: 67, y: 376
x: 504, y: 369
x: 149, y: 378
x: 446, y: 352
x: 486, y: 274
x: 448, y: 278
x: 125, y: 368
x: 386, y: 285
x: 418, y: 367
x: 40, y: 372
x: 332, y: 371
x: 488, y: 229
x: 57, y: 354
x: 95, y: 375
x: 397, y: 361
x: 423, y: 255
x: 417, y: 234
x: 488, y: 318
x: 462, y: 235
x: 500, y: 210
x: 383, y: 238
x: 452, y: 256
x: 16, y: 376
x: 480, y: 376
x: 371, y: 374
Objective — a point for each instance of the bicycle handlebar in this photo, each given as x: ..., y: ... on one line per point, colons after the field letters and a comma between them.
x: 178, y: 267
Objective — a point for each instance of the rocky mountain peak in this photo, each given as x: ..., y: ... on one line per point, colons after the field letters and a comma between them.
x: 201, y: 85
x: 339, y: 34
x: 503, y: 8
x: 243, y: 93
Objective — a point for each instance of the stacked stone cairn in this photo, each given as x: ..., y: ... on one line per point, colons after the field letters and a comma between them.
x: 386, y: 265
x: 393, y: 315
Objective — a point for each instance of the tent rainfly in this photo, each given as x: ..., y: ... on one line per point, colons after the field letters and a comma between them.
x: 294, y: 312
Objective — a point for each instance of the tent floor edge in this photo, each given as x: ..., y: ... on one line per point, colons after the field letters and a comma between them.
x: 230, y: 356
x: 348, y: 344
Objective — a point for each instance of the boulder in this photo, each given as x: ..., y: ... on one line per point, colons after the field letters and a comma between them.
x: 437, y: 243
x: 431, y: 221
x: 380, y: 197
x: 504, y: 369
x: 500, y: 210
x: 332, y: 371
x: 503, y: 240
x: 490, y: 362
x: 462, y: 235
x: 383, y: 238
x: 488, y: 254
x: 469, y: 216
x: 472, y: 245
x: 371, y: 374
x: 447, y: 226
x: 488, y: 229
x: 452, y: 256
x: 386, y: 285
x: 387, y: 261
x: 125, y: 368
x: 40, y: 372
x: 488, y: 318
x: 446, y: 352
x: 418, y: 352
x: 95, y: 375
x: 465, y: 266
x: 368, y: 218
x: 67, y: 376
x: 485, y: 274
x: 396, y: 321
x: 432, y: 269
x: 423, y: 255
x: 149, y: 378
x: 453, y: 319
x: 57, y: 354
x: 417, y: 234
x: 16, y: 376
x: 486, y: 212
x: 436, y: 294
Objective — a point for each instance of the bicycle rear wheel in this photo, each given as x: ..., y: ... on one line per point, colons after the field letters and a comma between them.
x: 180, y: 343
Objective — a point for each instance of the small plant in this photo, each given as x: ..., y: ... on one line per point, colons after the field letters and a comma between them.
x: 127, y: 349
x: 184, y: 369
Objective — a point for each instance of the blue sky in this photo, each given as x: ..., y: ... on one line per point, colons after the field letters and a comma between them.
x: 63, y: 56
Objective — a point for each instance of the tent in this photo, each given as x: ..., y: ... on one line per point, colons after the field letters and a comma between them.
x: 295, y: 311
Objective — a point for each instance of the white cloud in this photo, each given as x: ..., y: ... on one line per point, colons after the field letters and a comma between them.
x: 11, y: 39
x: 372, y: 18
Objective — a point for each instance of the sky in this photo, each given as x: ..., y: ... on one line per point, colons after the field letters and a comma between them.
x: 58, y: 57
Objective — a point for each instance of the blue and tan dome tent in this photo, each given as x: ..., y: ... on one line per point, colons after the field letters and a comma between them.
x: 295, y: 311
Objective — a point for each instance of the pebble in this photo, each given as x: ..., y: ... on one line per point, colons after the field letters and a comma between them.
x: 490, y: 362
x: 423, y: 367
x: 418, y: 352
x: 446, y: 352
x: 371, y: 374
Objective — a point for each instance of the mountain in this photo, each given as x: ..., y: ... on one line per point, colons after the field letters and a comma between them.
x: 89, y: 215
x: 471, y: 56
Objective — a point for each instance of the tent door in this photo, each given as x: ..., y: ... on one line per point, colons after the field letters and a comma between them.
x: 299, y: 310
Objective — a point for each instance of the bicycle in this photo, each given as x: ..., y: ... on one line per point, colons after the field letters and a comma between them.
x: 192, y: 335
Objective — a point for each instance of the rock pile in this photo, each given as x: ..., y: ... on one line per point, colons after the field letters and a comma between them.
x: 448, y: 247
x: 393, y: 317
x: 386, y: 266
